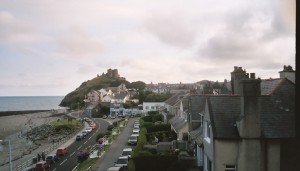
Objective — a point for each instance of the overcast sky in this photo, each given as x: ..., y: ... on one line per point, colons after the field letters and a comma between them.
x: 50, y: 47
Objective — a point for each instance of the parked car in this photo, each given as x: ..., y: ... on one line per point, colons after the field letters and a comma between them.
x: 62, y: 151
x: 114, y: 169
x: 82, y: 155
x: 51, y: 158
x: 41, y: 166
x: 136, y: 130
x: 84, y: 133
x: 127, y: 152
x: 132, y: 140
x: 89, y: 129
x: 113, y: 117
x: 104, y: 116
x: 79, y: 137
x: 122, y: 161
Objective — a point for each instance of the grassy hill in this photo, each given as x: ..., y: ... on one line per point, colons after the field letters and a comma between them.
x: 75, y: 99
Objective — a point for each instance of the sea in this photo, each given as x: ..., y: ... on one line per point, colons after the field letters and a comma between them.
x: 21, y: 103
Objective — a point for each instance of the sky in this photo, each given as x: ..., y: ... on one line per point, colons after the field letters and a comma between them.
x: 50, y: 47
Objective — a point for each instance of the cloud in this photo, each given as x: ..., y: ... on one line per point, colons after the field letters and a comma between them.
x: 13, y: 30
x: 171, y: 29
x: 247, y: 36
x: 76, y: 42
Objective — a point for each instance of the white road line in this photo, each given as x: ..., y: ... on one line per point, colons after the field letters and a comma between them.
x: 85, y: 142
x: 63, y: 162
x: 75, y: 167
x: 90, y: 137
x: 79, y: 147
x: 72, y: 154
x: 54, y: 169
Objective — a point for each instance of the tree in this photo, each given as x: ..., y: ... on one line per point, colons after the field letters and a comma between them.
x: 139, y: 85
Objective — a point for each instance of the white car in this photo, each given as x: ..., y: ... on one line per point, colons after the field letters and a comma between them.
x: 126, y: 152
x: 122, y: 161
x: 89, y: 129
x: 132, y: 140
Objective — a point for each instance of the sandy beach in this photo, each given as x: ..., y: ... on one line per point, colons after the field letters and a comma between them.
x: 13, y: 127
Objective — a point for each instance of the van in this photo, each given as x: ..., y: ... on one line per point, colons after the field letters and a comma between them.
x: 62, y: 151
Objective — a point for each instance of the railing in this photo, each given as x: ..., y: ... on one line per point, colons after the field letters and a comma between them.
x: 32, y: 160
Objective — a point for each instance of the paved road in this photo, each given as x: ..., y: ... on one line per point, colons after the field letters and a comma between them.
x: 69, y: 162
x: 109, y: 157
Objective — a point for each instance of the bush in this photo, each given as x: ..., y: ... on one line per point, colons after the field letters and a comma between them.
x: 110, y: 127
x: 147, y: 125
x: 161, y: 127
x: 153, y: 112
x: 115, y: 124
x: 100, y: 135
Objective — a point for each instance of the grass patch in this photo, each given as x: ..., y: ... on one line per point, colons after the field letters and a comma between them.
x: 86, y: 164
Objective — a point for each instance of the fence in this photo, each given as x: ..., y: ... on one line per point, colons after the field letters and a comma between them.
x: 33, y: 160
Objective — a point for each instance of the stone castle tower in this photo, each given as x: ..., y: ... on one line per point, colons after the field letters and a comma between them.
x: 112, y: 73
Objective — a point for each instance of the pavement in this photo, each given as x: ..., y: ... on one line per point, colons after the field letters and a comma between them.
x: 16, y: 165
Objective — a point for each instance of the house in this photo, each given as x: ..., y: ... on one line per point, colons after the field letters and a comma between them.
x: 244, y: 130
x: 152, y: 106
x: 170, y: 109
x: 179, y: 123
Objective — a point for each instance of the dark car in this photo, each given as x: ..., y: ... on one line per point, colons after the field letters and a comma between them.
x: 79, y: 137
x: 51, y: 158
x: 82, y: 155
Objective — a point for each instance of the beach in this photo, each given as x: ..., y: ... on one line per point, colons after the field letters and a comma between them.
x: 14, y: 127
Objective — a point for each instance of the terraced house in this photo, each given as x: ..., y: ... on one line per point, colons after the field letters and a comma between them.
x: 247, y: 129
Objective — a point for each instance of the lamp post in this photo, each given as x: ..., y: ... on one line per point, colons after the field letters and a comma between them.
x: 10, y: 164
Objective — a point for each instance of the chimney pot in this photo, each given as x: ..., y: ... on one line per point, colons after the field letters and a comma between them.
x: 252, y: 75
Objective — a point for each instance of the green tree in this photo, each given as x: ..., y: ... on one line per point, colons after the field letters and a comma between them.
x: 139, y: 85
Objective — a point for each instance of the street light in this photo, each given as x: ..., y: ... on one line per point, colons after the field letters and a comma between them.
x: 10, y: 164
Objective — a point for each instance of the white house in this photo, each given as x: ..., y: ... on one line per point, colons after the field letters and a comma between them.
x: 152, y: 106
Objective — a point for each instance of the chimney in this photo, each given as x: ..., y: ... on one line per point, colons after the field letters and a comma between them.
x: 249, y: 126
x: 288, y: 73
x: 237, y: 75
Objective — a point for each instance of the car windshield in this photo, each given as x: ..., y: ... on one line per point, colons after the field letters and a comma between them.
x: 49, y: 157
x: 122, y: 161
x: 133, y: 138
x: 126, y: 153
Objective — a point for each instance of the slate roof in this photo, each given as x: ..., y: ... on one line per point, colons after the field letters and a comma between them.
x: 121, y: 95
x: 197, y: 105
x: 277, y: 113
x: 196, y: 135
x: 173, y: 99
x: 224, y: 112
x: 268, y: 85
x: 178, y: 123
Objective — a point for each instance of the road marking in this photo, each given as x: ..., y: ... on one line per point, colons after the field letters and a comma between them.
x: 90, y: 137
x: 63, y: 162
x: 85, y: 142
x: 72, y: 154
x: 75, y: 167
x: 54, y: 169
x: 79, y: 147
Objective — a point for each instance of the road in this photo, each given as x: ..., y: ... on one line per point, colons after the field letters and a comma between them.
x: 109, y: 157
x: 69, y: 162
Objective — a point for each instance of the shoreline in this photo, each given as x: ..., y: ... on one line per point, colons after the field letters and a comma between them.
x: 12, y: 127
x: 21, y: 112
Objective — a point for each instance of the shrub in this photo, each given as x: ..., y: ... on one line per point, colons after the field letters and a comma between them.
x: 100, y: 135
x: 110, y: 127
x: 115, y: 124
x: 161, y: 127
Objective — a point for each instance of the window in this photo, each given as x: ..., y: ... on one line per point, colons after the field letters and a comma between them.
x: 230, y: 168
x: 207, y: 128
x: 152, y: 107
x: 201, y: 119
x: 147, y: 107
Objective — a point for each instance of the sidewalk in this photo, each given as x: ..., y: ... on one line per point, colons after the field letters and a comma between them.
x: 21, y: 164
